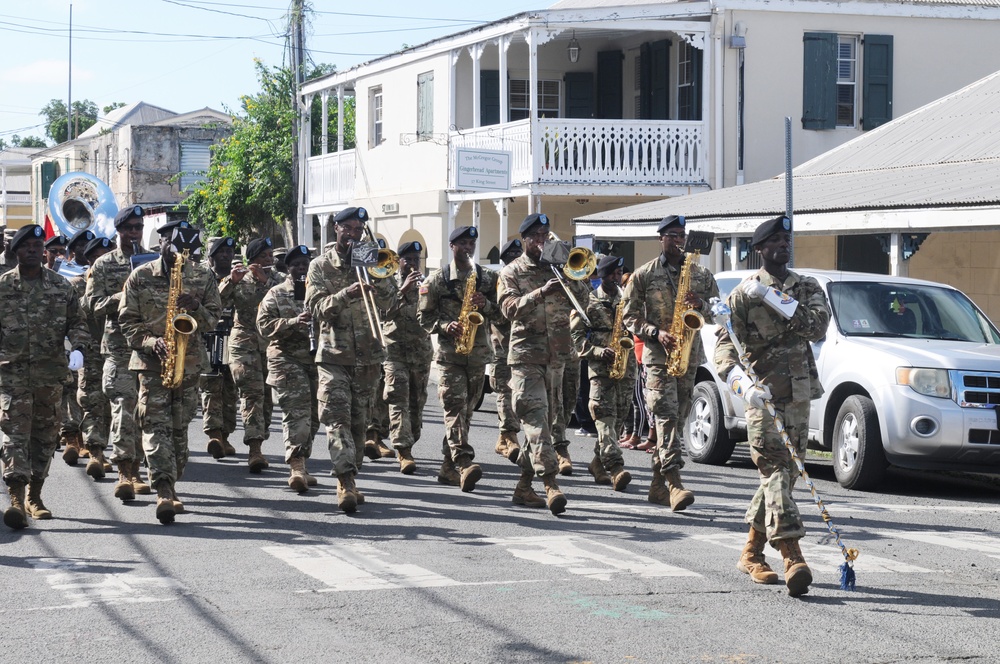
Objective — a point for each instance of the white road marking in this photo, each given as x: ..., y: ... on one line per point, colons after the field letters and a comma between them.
x: 804, y: 500
x: 83, y: 585
x: 585, y: 557
x: 965, y: 541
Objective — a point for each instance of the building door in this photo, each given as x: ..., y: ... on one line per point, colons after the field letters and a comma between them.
x: 609, y: 85
x: 861, y: 253
x: 579, y: 94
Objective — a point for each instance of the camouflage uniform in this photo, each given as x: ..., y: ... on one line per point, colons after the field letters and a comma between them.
x: 649, y: 306
x: 95, y: 411
x: 378, y: 426
x: 782, y: 358
x: 247, y: 356
x: 461, y: 376
x: 348, y: 357
x: 37, y: 316
x: 407, y: 368
x: 291, y: 367
x: 500, y: 381
x: 218, y: 393
x: 164, y: 415
x: 571, y: 373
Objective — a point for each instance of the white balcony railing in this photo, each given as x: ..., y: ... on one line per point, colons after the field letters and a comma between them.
x: 15, y: 199
x: 611, y: 152
x: 330, y: 179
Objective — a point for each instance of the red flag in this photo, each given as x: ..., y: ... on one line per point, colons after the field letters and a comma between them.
x: 49, y: 230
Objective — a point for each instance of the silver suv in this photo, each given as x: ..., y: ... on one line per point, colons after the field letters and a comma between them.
x: 911, y: 373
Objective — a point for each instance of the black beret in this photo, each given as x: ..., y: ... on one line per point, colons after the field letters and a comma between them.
x: 347, y: 214
x: 97, y: 242
x: 216, y: 243
x: 769, y: 228
x: 512, y: 247
x: 25, y: 232
x: 463, y: 231
x: 60, y: 240
x: 298, y: 252
x: 410, y: 248
x: 531, y: 221
x: 127, y: 213
x: 81, y: 236
x: 171, y: 225
x: 673, y: 221
x: 609, y: 264
x: 257, y: 246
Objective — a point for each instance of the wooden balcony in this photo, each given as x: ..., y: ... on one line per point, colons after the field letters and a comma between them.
x: 330, y: 180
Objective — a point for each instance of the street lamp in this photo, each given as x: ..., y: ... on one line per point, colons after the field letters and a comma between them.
x: 573, y: 50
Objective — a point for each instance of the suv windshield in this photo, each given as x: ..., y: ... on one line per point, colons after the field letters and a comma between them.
x: 914, y: 311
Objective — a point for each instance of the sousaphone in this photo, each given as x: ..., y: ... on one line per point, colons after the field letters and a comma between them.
x: 80, y: 201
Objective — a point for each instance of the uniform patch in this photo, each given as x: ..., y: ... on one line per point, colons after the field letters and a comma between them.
x: 424, y: 289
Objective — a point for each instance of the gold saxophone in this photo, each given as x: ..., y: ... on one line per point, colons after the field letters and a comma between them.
x: 180, y: 327
x: 468, y: 318
x: 686, y: 322
x: 621, y: 342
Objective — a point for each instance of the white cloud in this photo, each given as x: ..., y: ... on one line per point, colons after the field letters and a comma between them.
x: 44, y: 72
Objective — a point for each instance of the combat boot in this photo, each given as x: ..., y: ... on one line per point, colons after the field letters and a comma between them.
x: 556, y: 499
x: 407, y: 465
x: 470, y: 473
x: 215, y: 445
x: 178, y: 505
x: 658, y: 488
x: 164, y: 502
x: 384, y: 451
x: 371, y: 449
x: 14, y: 516
x: 752, y: 559
x: 565, y: 463
x: 620, y: 477
x: 449, y: 474
x: 507, y: 446
x: 256, y: 461
x: 346, y: 500
x: 297, y: 477
x: 71, y: 448
x: 596, y: 468
x: 524, y: 494
x: 34, y: 506
x: 798, y: 576
x: 227, y: 447
x: 84, y: 452
x: 310, y: 480
x: 138, y: 486
x: 123, y: 487
x: 95, y: 467
x: 680, y: 497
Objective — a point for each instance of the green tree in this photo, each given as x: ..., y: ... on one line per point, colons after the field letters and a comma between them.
x: 112, y: 106
x: 25, y: 142
x: 84, y: 117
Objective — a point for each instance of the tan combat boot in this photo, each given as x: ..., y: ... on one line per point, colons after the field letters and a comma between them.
x: 407, y: 465
x: 680, y: 497
x: 470, y: 473
x: 227, y: 447
x: 178, y: 505
x: 371, y: 449
x: 71, y: 448
x: 752, y: 559
x: 596, y: 468
x: 84, y: 452
x: 449, y: 474
x: 556, y: 499
x: 164, y: 502
x: 297, y: 477
x: 565, y: 463
x: 310, y: 480
x: 256, y: 461
x: 384, y: 451
x: 619, y: 477
x: 658, y: 492
x: 346, y: 499
x: 507, y: 446
x: 524, y: 494
x: 215, y: 445
x: 34, y: 506
x: 14, y: 516
x: 798, y: 576
x: 138, y: 486
x: 123, y: 487
x: 95, y: 467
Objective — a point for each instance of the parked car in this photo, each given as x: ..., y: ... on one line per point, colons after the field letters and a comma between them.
x: 911, y: 373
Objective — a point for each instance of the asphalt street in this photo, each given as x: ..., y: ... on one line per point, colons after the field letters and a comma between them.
x: 425, y: 573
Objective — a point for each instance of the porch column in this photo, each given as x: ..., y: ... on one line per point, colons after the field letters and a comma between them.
x: 898, y: 267
x: 536, y: 151
x: 325, y: 140
x: 453, y: 85
x: 504, y: 101
x: 324, y: 225
x: 446, y: 229
x: 734, y: 252
x: 477, y: 222
x: 476, y: 51
x: 340, y: 118
x: 304, y: 221
x: 501, y: 206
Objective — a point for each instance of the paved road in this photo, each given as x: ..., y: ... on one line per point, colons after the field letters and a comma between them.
x: 424, y: 573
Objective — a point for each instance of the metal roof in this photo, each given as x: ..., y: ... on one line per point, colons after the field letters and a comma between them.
x: 136, y: 113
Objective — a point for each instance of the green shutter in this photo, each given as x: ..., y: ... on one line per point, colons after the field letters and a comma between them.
x: 819, y: 80
x: 50, y: 172
x: 659, y: 80
x: 489, y: 97
x: 876, y: 95
x: 609, y: 85
x: 425, y: 106
x: 579, y: 94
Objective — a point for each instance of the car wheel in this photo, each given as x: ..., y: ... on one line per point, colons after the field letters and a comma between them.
x: 858, y: 458
x: 706, y: 437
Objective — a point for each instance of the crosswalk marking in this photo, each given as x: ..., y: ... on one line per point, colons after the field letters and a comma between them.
x: 965, y: 541
x: 82, y: 584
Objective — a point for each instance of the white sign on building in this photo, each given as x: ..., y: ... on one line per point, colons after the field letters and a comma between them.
x: 482, y: 170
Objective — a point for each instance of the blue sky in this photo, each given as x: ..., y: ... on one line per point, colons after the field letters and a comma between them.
x: 186, y: 54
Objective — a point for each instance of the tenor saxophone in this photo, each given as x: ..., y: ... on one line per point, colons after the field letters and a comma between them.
x: 180, y: 327
x: 686, y: 322
x: 468, y: 318
x: 621, y: 343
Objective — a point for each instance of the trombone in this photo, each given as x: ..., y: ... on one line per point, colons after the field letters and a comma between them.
x: 386, y: 266
x: 579, y: 265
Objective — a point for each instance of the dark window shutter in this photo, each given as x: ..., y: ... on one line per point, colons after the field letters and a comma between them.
x: 819, y: 80
x: 659, y: 80
x: 645, y: 111
x: 579, y: 94
x: 609, y: 84
x: 50, y: 172
x: 489, y: 97
x: 876, y: 96
x: 697, y: 58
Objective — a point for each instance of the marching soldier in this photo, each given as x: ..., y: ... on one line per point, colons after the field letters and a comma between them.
x: 408, y: 359
x: 507, y: 445
x: 779, y: 349
x: 247, y: 348
x: 40, y: 310
x: 649, y: 312
x: 349, y: 353
x: 121, y: 385
x: 378, y: 427
x: 287, y: 323
x: 443, y: 295
x: 7, y: 259
x: 609, y: 397
x: 531, y: 298
x: 55, y: 250
x: 75, y: 249
x: 570, y: 387
x: 218, y: 391
x: 163, y: 413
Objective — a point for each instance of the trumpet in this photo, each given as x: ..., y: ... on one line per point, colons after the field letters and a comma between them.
x: 578, y: 265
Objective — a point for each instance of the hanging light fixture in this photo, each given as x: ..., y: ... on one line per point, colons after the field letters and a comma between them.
x: 573, y: 50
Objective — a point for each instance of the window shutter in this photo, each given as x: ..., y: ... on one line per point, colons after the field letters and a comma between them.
x: 196, y: 157
x: 659, y: 80
x: 609, y: 84
x: 645, y: 97
x: 819, y: 80
x: 579, y: 94
x: 50, y: 172
x: 489, y: 97
x: 697, y: 60
x: 425, y: 106
x: 876, y: 96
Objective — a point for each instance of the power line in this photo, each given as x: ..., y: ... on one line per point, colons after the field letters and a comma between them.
x: 218, y: 11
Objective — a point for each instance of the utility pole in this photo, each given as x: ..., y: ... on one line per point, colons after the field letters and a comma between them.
x: 69, y: 94
x: 297, y: 48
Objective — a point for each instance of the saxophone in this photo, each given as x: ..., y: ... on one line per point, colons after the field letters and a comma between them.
x: 621, y: 342
x: 686, y: 322
x: 468, y: 318
x: 180, y: 327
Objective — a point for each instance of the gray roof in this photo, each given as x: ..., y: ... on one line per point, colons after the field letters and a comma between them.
x: 136, y: 113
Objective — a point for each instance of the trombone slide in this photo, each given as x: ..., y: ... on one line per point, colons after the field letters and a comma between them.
x: 572, y: 298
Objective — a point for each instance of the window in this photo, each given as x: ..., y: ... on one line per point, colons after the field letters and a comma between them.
x: 847, y: 80
x: 425, y: 106
x: 195, y: 160
x: 375, y: 127
x: 548, y: 99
